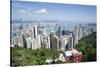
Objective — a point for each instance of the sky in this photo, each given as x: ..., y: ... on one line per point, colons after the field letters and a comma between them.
x: 52, y: 11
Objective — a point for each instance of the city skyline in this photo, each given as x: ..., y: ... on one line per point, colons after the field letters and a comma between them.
x: 51, y: 33
x: 52, y: 11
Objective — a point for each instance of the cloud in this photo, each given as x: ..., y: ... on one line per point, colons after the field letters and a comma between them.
x: 41, y: 11
x: 31, y: 12
x: 22, y: 11
x: 27, y: 12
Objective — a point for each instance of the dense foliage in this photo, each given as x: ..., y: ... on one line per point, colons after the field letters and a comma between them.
x: 88, y: 47
x: 23, y: 56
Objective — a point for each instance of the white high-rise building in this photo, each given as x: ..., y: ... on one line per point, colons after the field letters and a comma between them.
x: 14, y: 40
x: 48, y: 41
x: 80, y: 32
x: 75, y: 35
x: 43, y: 44
x: 45, y: 40
x: 64, y: 42
x: 34, y: 31
x: 33, y: 44
x: 70, y: 41
x: 22, y: 39
x: 67, y: 42
x: 29, y: 42
x: 36, y: 42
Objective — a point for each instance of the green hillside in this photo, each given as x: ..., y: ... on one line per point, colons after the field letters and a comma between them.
x: 88, y: 47
x: 23, y: 56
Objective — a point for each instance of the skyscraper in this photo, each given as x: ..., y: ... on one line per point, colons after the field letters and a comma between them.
x: 70, y: 41
x: 38, y: 42
x: 45, y: 41
x: 48, y: 41
x: 35, y: 38
x: 80, y: 32
x: 14, y: 40
x: 34, y: 31
x: 64, y: 41
x: 33, y: 44
x: 75, y: 35
x: 59, y: 34
x: 54, y: 41
x: 29, y: 42
x: 22, y: 40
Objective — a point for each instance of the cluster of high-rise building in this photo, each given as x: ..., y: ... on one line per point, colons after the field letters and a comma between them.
x: 38, y: 37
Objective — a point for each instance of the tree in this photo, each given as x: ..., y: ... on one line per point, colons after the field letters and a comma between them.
x: 88, y: 47
x: 23, y: 56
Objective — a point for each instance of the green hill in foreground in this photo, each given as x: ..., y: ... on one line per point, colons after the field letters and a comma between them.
x: 23, y: 56
x: 88, y: 47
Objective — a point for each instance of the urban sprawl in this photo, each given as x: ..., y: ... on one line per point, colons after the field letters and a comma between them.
x: 36, y: 36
